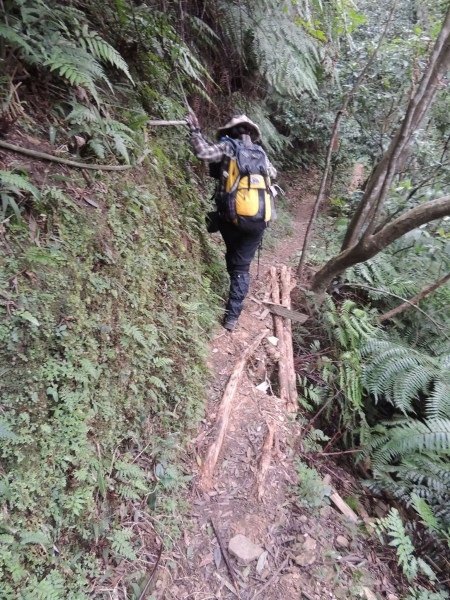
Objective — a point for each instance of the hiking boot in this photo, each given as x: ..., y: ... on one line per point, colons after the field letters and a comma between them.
x: 229, y: 323
x: 239, y: 284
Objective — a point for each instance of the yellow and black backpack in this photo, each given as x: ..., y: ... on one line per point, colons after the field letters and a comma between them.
x: 247, y: 198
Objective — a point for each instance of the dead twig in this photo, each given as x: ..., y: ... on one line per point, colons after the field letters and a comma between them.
x: 225, y: 556
x: 147, y: 585
x: 271, y: 580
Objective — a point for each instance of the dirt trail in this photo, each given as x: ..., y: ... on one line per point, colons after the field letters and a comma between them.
x: 277, y: 524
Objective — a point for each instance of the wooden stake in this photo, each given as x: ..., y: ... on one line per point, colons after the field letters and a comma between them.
x: 285, y: 277
x: 279, y: 333
x: 223, y: 415
x: 266, y: 457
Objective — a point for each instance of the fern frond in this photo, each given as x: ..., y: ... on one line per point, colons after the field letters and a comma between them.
x: 413, y: 436
x: 7, y: 178
x: 104, y: 51
x: 10, y: 35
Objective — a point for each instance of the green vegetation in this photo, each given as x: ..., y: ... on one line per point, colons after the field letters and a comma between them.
x: 108, y: 292
x: 103, y: 349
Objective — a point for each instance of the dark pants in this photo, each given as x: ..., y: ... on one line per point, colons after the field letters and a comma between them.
x: 241, y: 248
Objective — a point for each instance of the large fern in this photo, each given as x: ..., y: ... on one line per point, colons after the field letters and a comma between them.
x: 57, y: 36
x: 400, y: 373
x: 270, y: 35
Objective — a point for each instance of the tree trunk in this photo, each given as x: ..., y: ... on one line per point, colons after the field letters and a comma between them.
x: 364, y: 237
x: 367, y: 248
x: 333, y: 140
x: 415, y: 299
x: 371, y: 205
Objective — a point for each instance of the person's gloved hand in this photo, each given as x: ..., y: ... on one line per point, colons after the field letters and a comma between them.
x: 192, y: 121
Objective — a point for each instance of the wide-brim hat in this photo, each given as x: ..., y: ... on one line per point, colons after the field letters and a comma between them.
x: 255, y: 133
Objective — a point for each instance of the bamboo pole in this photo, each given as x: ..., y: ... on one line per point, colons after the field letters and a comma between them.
x: 223, y: 415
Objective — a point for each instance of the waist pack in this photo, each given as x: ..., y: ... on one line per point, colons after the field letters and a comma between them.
x: 247, y: 199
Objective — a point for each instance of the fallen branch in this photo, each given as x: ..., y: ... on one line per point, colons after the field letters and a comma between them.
x: 285, y: 277
x: 225, y: 556
x: 63, y: 161
x: 266, y: 457
x: 223, y: 415
x: 279, y: 333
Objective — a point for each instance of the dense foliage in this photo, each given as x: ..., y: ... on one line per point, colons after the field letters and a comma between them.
x: 106, y: 295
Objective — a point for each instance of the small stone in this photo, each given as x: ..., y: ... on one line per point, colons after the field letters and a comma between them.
x: 305, y: 559
x: 392, y: 597
x: 273, y: 340
x: 244, y: 549
x: 303, y: 519
x: 342, y: 541
x: 309, y: 544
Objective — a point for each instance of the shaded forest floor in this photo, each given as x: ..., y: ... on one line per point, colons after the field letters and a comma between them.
x: 306, y: 555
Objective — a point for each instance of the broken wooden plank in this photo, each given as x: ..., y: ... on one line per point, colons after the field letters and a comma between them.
x: 339, y: 503
x: 287, y: 313
x: 343, y: 507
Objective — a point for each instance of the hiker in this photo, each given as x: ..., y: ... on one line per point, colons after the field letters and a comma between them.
x: 241, y: 234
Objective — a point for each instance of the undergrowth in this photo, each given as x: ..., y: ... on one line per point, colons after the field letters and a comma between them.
x: 105, y: 317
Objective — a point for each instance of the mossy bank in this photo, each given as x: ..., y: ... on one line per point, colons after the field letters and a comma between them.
x: 108, y: 294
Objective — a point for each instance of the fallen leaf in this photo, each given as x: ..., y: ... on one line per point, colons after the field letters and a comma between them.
x: 217, y: 557
x: 261, y: 562
x: 207, y: 560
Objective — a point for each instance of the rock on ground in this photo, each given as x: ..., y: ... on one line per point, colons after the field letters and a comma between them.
x: 244, y: 549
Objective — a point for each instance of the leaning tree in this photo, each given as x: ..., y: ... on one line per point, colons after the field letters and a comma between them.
x: 369, y: 232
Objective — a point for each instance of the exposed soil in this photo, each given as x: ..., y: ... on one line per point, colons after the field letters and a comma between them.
x: 279, y: 524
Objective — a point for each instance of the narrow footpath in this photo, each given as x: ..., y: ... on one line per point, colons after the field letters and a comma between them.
x: 294, y: 555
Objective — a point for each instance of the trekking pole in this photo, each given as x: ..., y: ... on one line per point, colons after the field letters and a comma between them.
x: 259, y: 255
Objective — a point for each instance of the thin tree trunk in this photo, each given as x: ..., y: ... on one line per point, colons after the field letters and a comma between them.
x: 358, y: 248
x: 334, y: 134
x: 371, y: 204
x: 415, y: 299
x: 367, y: 248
